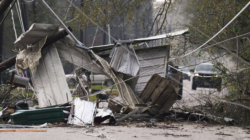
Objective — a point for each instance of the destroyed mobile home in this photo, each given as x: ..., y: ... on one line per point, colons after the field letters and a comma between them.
x: 44, y: 45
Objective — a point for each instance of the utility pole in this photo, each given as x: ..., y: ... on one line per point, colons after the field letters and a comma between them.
x: 81, y: 30
x: 1, y: 46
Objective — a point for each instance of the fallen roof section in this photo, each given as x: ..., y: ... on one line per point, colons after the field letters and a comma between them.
x: 139, y: 40
x: 36, y: 32
x: 67, y: 51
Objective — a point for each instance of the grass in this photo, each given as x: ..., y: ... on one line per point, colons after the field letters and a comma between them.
x: 29, y: 93
x: 99, y: 87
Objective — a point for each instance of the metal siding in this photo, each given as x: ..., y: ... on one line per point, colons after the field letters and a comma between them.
x: 150, y: 59
x: 49, y: 80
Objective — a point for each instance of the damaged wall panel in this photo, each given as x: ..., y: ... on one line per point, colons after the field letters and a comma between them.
x: 150, y: 59
x: 36, y: 32
x: 49, y: 79
x: 124, y: 60
x: 67, y: 51
x: 126, y: 93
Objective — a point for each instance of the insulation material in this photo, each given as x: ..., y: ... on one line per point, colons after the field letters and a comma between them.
x: 124, y: 60
x: 49, y: 79
x: 126, y: 93
x: 29, y: 58
x: 67, y: 51
x: 83, y: 112
x: 36, y: 32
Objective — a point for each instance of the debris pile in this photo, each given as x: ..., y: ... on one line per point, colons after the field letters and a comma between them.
x: 45, y: 45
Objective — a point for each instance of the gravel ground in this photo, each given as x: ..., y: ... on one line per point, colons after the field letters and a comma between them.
x: 138, y: 131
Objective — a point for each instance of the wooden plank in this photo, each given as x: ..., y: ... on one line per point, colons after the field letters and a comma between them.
x: 22, y: 130
x: 159, y: 90
x: 169, y: 102
x: 150, y: 87
x: 164, y: 96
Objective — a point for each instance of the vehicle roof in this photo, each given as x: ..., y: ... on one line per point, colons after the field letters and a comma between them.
x: 182, y: 66
x: 206, y: 64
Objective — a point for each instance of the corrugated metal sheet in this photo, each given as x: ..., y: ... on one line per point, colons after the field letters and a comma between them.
x: 150, y: 59
x: 139, y: 40
x: 49, y: 79
x: 126, y: 93
x: 84, y: 110
x: 67, y: 51
x: 36, y: 32
x: 124, y: 60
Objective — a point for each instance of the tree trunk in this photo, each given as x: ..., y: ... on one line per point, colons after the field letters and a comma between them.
x: 24, y: 15
x: 1, y: 46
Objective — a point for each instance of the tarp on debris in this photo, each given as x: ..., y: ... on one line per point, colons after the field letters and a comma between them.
x: 36, y: 32
x: 124, y: 60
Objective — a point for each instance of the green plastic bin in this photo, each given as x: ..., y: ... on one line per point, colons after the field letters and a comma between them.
x: 38, y: 116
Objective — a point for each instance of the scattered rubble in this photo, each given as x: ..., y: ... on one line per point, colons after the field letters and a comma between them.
x: 148, y: 98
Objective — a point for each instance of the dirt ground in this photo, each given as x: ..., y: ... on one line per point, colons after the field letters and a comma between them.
x: 137, y: 131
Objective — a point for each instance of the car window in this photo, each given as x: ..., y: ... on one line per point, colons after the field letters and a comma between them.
x: 185, y: 69
x: 206, y: 68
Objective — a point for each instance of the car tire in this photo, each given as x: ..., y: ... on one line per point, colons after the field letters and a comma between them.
x: 194, y: 85
x: 109, y: 83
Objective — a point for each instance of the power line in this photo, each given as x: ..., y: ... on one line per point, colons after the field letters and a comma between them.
x: 243, y: 9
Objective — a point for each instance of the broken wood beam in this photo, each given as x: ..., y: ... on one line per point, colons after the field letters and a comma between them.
x: 4, y: 6
x: 50, y: 40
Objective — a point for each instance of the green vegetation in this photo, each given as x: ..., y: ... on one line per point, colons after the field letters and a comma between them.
x: 206, y: 18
